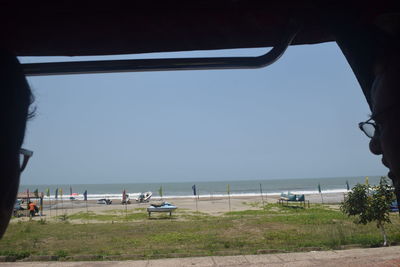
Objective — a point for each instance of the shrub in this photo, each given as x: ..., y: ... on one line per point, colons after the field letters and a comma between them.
x: 369, y: 204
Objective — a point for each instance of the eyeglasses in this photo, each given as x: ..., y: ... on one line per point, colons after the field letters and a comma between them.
x: 368, y: 127
x: 26, y: 156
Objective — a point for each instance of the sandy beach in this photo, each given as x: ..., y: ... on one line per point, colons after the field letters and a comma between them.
x: 210, y: 205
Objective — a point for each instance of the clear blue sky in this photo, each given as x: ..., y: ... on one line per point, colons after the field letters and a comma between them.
x: 295, y: 119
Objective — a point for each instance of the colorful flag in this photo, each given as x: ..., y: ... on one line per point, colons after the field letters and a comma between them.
x: 61, y: 192
x: 85, y: 195
x: 194, y: 189
x: 56, y: 194
x: 48, y: 192
x: 366, y: 180
x: 347, y: 185
x: 160, y: 191
x: 36, y: 193
x: 70, y: 190
x: 319, y: 188
x: 228, y: 189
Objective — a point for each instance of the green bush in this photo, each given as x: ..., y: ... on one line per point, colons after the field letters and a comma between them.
x: 370, y: 203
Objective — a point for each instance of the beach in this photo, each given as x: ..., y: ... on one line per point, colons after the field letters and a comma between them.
x: 205, y: 204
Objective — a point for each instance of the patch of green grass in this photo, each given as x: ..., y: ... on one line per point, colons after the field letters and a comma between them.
x: 115, y: 211
x: 245, y: 213
x: 136, y: 216
x: 192, y: 233
x: 122, y: 210
x: 194, y: 216
x: 120, y: 216
x: 92, y: 216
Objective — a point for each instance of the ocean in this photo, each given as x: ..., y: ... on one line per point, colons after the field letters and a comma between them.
x: 205, y: 189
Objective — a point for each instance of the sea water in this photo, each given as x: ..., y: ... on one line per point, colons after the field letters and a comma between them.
x: 203, y: 188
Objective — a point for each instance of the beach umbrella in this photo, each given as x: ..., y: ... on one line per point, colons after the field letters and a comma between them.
x: 194, y: 189
x: 347, y: 185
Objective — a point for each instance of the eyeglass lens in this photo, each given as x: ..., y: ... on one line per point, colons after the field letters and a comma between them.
x: 21, y: 159
x: 368, y: 129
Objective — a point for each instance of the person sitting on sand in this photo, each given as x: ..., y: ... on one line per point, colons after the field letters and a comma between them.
x: 32, y: 209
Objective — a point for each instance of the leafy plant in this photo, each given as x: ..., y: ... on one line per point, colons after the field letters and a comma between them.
x: 370, y: 203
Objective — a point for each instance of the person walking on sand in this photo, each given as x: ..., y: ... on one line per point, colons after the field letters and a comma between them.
x: 32, y: 207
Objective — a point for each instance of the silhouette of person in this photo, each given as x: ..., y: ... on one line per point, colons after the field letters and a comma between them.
x: 14, y: 112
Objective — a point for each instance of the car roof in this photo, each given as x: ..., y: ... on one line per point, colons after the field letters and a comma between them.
x: 81, y: 28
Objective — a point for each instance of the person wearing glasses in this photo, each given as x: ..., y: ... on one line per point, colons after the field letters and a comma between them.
x: 372, y: 50
x: 15, y: 99
x: 383, y: 126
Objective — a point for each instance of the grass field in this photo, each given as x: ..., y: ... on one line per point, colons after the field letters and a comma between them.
x: 115, y: 233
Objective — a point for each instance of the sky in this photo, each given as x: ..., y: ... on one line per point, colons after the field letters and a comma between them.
x: 294, y: 119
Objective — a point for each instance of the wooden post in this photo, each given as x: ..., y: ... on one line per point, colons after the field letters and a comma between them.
x: 262, y: 198
x: 50, y: 205
x: 62, y: 206
x: 41, y: 205
x: 197, y: 207
x: 229, y: 197
x: 126, y: 210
